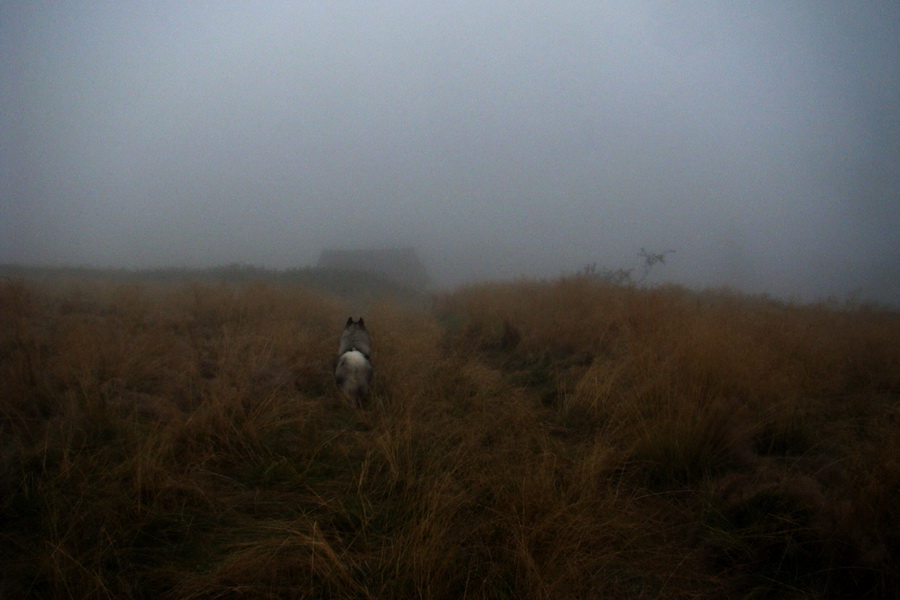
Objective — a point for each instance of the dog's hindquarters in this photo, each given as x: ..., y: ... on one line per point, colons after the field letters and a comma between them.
x: 353, y: 376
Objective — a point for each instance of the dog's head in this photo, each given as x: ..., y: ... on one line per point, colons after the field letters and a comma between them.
x: 355, y: 337
x: 355, y: 325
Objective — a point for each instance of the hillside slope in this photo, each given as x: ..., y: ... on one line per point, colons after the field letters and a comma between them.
x: 561, y: 439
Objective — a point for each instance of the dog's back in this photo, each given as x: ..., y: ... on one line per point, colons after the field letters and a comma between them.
x: 353, y: 373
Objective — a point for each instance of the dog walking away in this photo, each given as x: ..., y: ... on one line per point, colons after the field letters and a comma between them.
x: 353, y: 373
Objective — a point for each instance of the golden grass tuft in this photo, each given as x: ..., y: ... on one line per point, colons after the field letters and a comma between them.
x: 559, y: 439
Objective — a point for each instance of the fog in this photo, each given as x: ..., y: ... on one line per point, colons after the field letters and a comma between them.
x: 759, y: 140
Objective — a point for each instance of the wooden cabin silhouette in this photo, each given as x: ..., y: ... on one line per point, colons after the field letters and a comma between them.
x: 400, y: 265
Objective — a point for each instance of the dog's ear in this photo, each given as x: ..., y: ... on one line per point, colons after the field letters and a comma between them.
x: 349, y: 322
x: 362, y: 324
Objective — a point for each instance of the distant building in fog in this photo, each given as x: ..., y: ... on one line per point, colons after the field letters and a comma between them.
x: 401, y: 265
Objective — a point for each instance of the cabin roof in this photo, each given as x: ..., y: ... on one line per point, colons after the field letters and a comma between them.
x: 401, y: 265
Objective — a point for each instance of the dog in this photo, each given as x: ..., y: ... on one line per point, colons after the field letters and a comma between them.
x: 353, y: 373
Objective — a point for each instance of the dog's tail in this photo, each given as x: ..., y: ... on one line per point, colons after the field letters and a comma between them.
x: 353, y: 376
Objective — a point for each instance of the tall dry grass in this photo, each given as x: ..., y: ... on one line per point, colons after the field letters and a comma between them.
x: 562, y: 439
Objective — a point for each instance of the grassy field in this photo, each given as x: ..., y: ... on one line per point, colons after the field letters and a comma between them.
x: 562, y: 439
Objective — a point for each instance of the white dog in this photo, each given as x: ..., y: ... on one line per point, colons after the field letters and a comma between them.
x: 353, y: 373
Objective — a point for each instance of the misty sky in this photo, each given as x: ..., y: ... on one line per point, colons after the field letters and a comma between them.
x: 758, y: 139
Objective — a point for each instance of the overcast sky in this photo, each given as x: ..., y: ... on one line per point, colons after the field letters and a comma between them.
x: 758, y: 139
